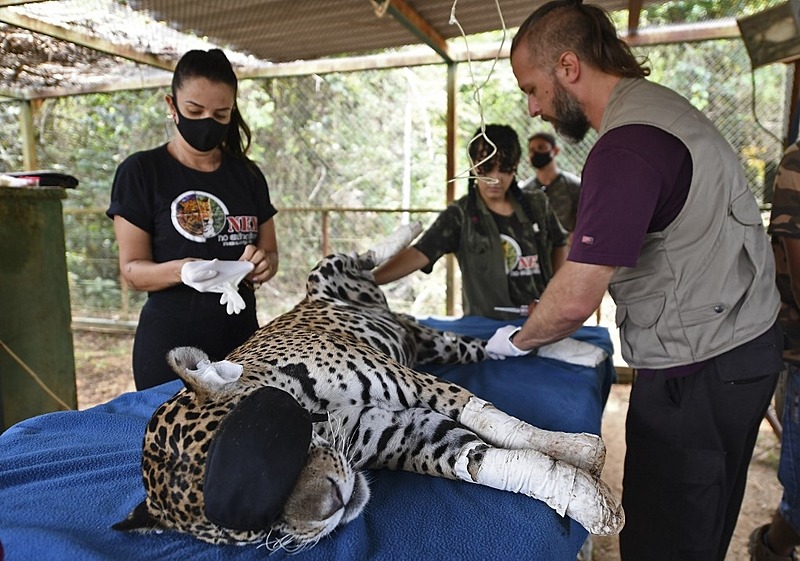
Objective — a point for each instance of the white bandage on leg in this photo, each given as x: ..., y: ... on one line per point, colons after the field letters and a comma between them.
x: 564, y: 488
x: 397, y: 240
x: 583, y: 450
x: 462, y: 463
x: 493, y: 425
x: 531, y: 473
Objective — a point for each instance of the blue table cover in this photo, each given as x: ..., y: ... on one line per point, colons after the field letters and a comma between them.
x: 66, y: 477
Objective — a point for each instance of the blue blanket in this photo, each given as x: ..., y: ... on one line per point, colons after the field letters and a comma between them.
x: 66, y: 477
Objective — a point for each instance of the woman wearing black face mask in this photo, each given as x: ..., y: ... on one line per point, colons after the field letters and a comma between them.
x: 198, y: 197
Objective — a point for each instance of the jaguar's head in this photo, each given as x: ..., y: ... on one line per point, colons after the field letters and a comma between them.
x: 229, y: 463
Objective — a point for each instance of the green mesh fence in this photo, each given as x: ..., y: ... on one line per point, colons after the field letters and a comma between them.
x: 360, y: 140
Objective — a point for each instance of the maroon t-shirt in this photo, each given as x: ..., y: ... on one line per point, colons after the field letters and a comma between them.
x: 635, y: 181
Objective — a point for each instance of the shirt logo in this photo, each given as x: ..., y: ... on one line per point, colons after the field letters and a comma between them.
x: 587, y: 240
x: 518, y: 264
x: 198, y: 215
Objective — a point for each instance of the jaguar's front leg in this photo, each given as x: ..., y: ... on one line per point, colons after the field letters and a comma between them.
x: 583, y: 450
x: 563, y: 487
x: 443, y: 347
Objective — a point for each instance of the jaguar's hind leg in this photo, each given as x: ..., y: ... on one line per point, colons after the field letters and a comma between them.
x: 565, y: 488
x: 396, y: 241
x: 584, y: 450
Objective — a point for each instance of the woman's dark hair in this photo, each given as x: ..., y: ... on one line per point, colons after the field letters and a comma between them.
x: 586, y: 30
x: 214, y: 66
x: 507, y: 157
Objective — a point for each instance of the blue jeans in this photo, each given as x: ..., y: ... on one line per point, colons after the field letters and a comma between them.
x: 789, y: 467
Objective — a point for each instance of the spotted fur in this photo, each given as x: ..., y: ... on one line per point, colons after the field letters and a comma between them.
x: 342, y: 352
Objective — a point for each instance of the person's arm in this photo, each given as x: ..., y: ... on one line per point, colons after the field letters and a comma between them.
x: 264, y: 255
x: 559, y: 257
x: 136, y: 263
x: 574, y: 293
x: 404, y: 263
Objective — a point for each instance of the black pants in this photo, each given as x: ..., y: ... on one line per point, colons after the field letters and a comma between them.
x: 689, y: 443
x: 184, y: 317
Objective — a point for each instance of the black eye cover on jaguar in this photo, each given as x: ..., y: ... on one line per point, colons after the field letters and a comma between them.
x: 255, y: 459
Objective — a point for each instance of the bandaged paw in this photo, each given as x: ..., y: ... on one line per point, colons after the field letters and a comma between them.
x: 387, y: 249
x: 500, y: 346
x: 582, y: 450
x: 564, y: 488
x: 574, y: 352
x: 218, y: 276
x: 216, y: 373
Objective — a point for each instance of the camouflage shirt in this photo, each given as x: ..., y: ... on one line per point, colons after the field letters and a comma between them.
x: 785, y: 222
x: 507, y: 265
x: 563, y: 193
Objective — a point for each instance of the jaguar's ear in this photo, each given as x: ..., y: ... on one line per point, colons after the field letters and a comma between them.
x: 200, y: 375
x: 139, y: 520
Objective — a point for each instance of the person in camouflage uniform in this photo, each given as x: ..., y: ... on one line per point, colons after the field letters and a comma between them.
x: 508, y: 243
x: 778, y: 539
x: 562, y: 188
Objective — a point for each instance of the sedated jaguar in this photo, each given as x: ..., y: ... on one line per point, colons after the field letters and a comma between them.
x: 268, y: 445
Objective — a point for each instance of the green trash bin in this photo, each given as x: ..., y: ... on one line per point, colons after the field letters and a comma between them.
x: 35, y: 324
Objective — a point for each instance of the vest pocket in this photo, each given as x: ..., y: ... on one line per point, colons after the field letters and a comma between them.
x: 640, y: 328
x: 745, y: 210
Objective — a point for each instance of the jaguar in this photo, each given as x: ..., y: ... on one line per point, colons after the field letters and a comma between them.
x: 270, y: 445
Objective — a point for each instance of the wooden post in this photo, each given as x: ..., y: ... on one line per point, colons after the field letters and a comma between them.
x: 29, y: 159
x: 452, y: 135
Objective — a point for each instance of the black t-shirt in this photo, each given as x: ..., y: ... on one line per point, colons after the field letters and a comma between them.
x: 526, y: 271
x: 190, y: 213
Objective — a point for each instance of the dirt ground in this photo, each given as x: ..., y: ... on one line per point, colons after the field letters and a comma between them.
x: 103, y: 372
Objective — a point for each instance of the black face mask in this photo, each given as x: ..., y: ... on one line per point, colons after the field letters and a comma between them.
x: 201, y: 134
x: 541, y: 159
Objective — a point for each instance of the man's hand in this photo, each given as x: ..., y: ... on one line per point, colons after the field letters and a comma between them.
x: 500, y: 345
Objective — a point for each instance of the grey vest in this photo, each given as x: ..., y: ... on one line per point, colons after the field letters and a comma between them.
x: 706, y: 283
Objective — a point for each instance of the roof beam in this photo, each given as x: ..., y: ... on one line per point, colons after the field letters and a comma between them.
x: 419, y: 26
x: 4, y: 3
x: 684, y: 33
x: 7, y: 94
x: 718, y: 29
x: 18, y: 20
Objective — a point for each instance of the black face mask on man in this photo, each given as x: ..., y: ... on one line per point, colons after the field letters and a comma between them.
x: 541, y: 159
x: 201, y: 134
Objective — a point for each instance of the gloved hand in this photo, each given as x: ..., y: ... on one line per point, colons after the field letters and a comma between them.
x: 218, y: 276
x: 500, y: 345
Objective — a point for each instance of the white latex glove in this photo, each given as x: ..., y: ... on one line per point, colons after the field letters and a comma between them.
x: 574, y: 351
x: 500, y: 345
x: 218, y: 276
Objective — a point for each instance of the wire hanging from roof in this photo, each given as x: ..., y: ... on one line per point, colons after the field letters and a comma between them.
x: 476, y: 95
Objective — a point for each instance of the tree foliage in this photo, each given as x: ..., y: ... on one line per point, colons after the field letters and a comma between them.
x: 372, y: 139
